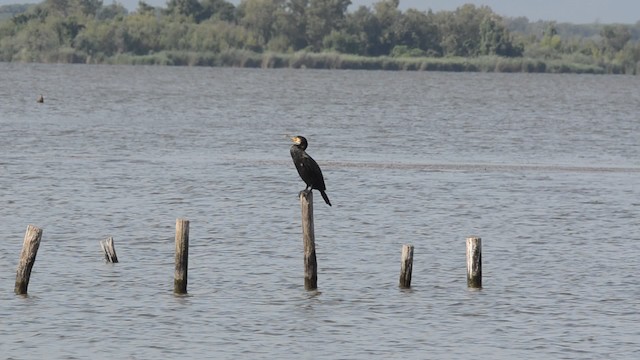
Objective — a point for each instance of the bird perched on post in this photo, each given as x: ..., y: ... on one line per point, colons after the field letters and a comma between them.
x: 308, y: 169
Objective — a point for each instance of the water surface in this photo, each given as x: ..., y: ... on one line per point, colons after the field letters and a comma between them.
x: 545, y: 168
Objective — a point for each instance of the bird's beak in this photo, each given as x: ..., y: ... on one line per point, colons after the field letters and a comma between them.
x: 295, y: 139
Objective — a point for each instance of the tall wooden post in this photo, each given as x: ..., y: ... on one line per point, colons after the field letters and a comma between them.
x: 474, y: 262
x: 308, y: 238
x: 406, y: 266
x: 182, y: 256
x: 30, y: 247
x: 109, y: 249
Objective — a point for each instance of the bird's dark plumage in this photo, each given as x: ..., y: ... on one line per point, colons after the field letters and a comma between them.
x: 308, y: 168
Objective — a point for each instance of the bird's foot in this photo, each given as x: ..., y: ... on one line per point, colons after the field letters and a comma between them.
x: 304, y: 192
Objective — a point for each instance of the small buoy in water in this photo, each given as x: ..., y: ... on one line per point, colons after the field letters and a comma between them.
x: 40, y: 99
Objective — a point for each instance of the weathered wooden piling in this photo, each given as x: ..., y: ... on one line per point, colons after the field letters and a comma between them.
x: 109, y: 249
x: 309, y: 241
x: 30, y: 247
x: 182, y: 256
x: 474, y: 262
x: 406, y: 266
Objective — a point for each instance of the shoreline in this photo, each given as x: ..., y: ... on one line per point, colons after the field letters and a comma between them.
x: 336, y: 61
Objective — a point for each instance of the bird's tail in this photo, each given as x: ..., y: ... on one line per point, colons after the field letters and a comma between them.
x: 325, y: 197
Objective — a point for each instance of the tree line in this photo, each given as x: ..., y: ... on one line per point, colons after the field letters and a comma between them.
x: 274, y: 32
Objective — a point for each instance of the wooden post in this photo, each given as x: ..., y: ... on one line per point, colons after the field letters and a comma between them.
x: 182, y: 256
x: 309, y: 241
x: 30, y: 247
x: 406, y: 266
x: 474, y: 262
x: 109, y: 250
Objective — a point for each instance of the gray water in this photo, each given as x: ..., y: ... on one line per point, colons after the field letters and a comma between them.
x: 545, y: 168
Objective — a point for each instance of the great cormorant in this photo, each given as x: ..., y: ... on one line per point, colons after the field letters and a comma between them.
x: 307, y: 167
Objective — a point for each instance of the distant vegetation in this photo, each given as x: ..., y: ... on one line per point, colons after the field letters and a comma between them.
x: 311, y: 34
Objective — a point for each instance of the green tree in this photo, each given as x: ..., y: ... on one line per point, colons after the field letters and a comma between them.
x: 68, y: 29
x: 39, y: 39
x: 144, y: 8
x: 96, y: 39
x: 417, y: 30
x: 551, y: 39
x: 294, y: 27
x: 37, y: 13
x: 323, y: 17
x: 174, y: 34
x: 615, y: 38
x: 58, y: 7
x: 217, y: 9
x: 88, y: 7
x: 9, y: 11
x: 261, y: 18
x: 495, y: 38
x: 629, y: 58
x: 341, y: 42
x: 189, y: 8
x: 388, y: 15
x: 114, y: 11
x: 72, y: 30
x: 142, y: 34
x: 460, y: 30
x: 365, y: 27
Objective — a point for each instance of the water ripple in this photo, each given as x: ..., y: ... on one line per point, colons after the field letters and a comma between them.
x: 548, y: 180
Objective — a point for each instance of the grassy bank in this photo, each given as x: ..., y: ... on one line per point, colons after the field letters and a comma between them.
x: 299, y: 60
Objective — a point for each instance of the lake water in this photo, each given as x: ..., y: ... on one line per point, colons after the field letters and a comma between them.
x: 545, y: 168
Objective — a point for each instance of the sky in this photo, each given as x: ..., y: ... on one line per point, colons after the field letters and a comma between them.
x: 574, y: 11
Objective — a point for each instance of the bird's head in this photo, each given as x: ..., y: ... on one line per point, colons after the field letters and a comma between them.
x: 299, y: 141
